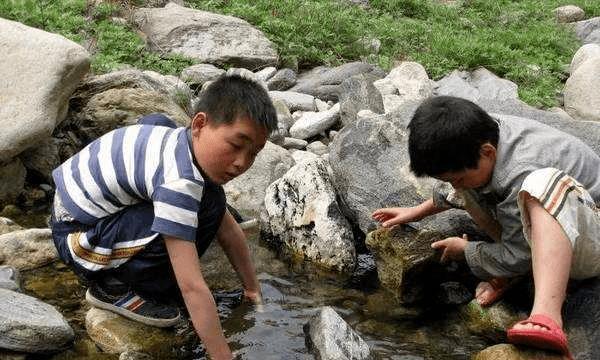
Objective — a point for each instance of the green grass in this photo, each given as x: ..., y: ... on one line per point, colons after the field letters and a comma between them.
x: 517, y: 40
x: 510, y: 38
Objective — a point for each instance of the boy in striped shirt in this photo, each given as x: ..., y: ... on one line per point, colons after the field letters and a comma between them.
x: 135, y: 209
x: 532, y: 188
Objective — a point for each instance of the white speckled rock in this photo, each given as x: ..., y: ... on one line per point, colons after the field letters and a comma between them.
x: 30, y: 325
x: 333, y: 339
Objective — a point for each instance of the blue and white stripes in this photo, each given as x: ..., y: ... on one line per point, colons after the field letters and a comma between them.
x: 133, y: 164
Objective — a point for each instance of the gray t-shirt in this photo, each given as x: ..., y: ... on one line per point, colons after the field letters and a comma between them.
x: 524, y: 146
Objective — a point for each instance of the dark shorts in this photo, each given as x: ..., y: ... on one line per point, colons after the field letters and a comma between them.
x: 149, y: 271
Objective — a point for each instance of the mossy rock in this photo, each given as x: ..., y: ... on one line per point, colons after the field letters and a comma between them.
x: 490, y: 322
x: 512, y: 352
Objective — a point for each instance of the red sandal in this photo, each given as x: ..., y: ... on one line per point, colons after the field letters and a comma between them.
x: 552, y: 339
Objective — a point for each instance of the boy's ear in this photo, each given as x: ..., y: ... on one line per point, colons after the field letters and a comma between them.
x: 199, y: 121
x: 488, y: 150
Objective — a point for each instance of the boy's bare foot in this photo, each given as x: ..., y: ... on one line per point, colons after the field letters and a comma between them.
x: 488, y: 292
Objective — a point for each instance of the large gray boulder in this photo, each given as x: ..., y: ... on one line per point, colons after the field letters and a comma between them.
x: 331, y: 338
x: 246, y: 193
x: 29, y: 325
x: 358, y: 93
x: 302, y: 218
x: 206, y: 37
x: 588, y: 31
x: 476, y: 85
x: 323, y: 82
x: 370, y: 164
x: 581, y: 95
x: 38, y: 73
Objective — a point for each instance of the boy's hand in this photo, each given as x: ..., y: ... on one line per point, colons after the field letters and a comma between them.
x: 453, y: 248
x: 255, y: 297
x: 389, y: 217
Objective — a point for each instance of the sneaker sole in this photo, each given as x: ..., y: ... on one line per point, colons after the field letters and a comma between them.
x: 249, y: 224
x: 130, y: 315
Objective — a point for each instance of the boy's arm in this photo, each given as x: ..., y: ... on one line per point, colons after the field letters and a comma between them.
x: 233, y: 242
x: 401, y: 215
x: 197, y: 296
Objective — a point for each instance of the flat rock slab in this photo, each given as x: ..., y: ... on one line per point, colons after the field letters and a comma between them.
x: 115, y: 334
x: 206, y: 37
x: 30, y: 325
x: 34, y: 98
x: 331, y: 338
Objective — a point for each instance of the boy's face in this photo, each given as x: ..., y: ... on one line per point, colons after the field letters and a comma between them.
x: 473, y: 178
x: 225, y: 151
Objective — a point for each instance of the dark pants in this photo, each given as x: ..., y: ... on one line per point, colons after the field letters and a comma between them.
x: 149, y: 272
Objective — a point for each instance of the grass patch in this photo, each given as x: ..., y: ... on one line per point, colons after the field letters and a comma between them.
x: 517, y: 40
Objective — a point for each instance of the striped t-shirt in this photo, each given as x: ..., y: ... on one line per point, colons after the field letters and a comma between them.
x: 133, y: 164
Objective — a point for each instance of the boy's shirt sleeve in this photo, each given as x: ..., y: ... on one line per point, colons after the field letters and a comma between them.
x: 176, y: 207
x: 508, y: 258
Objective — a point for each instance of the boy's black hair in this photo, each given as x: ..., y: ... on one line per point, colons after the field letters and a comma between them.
x: 446, y: 134
x: 232, y: 96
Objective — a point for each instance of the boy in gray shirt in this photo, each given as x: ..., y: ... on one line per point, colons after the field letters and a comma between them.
x: 532, y: 188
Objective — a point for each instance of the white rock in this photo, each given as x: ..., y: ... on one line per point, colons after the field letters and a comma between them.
x: 317, y: 148
x: 313, y: 123
x: 582, y: 98
x: 266, y: 73
x: 27, y: 249
x: 292, y: 143
x: 295, y: 100
x: 569, y: 13
x: 585, y: 53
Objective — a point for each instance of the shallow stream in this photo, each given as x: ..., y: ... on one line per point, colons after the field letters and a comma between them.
x: 292, y: 294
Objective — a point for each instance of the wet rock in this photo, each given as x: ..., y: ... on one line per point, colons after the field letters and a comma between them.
x: 12, y: 180
x: 454, y: 293
x: 588, y: 31
x: 294, y: 100
x: 476, y: 85
x: 313, y: 123
x: 358, y: 93
x: 581, y: 99
x: 10, y: 355
x: 201, y: 73
x: 512, y: 352
x: 568, y: 13
x: 585, y: 53
x: 330, y: 337
x: 134, y: 355
x: 383, y: 306
x: 490, y: 322
x: 282, y: 80
x: 10, y: 278
x: 27, y: 249
x: 206, y: 37
x: 302, y: 217
x: 115, y: 334
x: 35, y: 98
x: 323, y: 82
x: 246, y: 193
x: 581, y: 315
x: 29, y: 325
